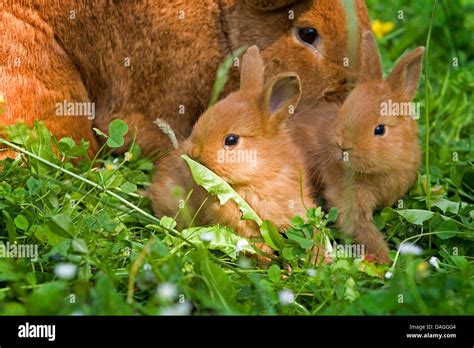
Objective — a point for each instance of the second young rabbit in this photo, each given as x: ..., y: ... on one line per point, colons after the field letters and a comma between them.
x: 243, y: 139
x: 365, y: 153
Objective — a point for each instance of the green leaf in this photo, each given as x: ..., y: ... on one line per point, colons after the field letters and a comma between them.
x: 18, y: 133
x: 33, y: 185
x: 388, y: 214
x: 128, y: 187
x: 216, y: 186
x: 446, y: 205
x: 274, y: 273
x: 66, y: 144
x: 79, y: 246
x: 332, y: 215
x: 71, y: 150
x: 167, y: 222
x: 117, y: 130
x: 288, y: 253
x: 223, y: 74
x: 351, y: 293
x: 42, y: 142
x: 62, y: 225
x: 415, y: 216
x: 110, y: 178
x: 10, y: 227
x: 223, y: 239
x: 460, y: 261
x: 136, y: 177
x: 297, y: 221
x: 299, y: 238
x: 446, y: 229
x: 379, y: 222
x: 271, y: 235
x: 5, y: 189
x: 105, y: 221
x: 372, y: 269
x: 21, y: 222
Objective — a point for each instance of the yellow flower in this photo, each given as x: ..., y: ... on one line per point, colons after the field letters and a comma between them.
x: 128, y: 156
x: 381, y: 29
x: 422, y: 267
x: 423, y: 270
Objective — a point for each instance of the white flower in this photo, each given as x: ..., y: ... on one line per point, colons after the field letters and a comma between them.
x: 65, y: 271
x: 167, y: 291
x: 147, y: 267
x: 388, y: 275
x: 182, y: 308
x: 434, y: 262
x: 286, y: 297
x: 207, y: 236
x: 410, y: 249
x: 311, y: 272
x: 240, y: 245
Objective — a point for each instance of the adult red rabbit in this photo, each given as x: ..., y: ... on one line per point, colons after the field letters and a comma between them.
x: 365, y: 154
x: 250, y: 125
x: 79, y: 64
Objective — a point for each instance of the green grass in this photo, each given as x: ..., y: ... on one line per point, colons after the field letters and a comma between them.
x: 126, y: 261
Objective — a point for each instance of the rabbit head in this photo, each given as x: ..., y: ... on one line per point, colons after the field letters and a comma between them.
x: 244, y: 136
x: 318, y: 40
x: 376, y: 131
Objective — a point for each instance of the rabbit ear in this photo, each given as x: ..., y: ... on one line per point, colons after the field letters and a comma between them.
x: 251, y: 73
x: 405, y: 76
x: 370, y: 63
x: 282, y: 95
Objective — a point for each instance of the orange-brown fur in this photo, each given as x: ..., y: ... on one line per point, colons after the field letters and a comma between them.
x: 172, y: 61
x: 378, y: 170
x: 271, y: 185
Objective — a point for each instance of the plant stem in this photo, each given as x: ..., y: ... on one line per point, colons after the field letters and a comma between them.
x: 427, y: 121
x: 414, y: 237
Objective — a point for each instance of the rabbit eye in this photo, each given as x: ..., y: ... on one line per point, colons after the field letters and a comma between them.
x: 231, y: 140
x: 379, y: 130
x: 308, y: 35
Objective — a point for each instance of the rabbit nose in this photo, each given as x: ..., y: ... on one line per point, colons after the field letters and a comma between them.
x: 346, y: 149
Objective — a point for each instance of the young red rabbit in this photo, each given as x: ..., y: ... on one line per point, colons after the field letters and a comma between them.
x: 249, y: 124
x: 364, y: 155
